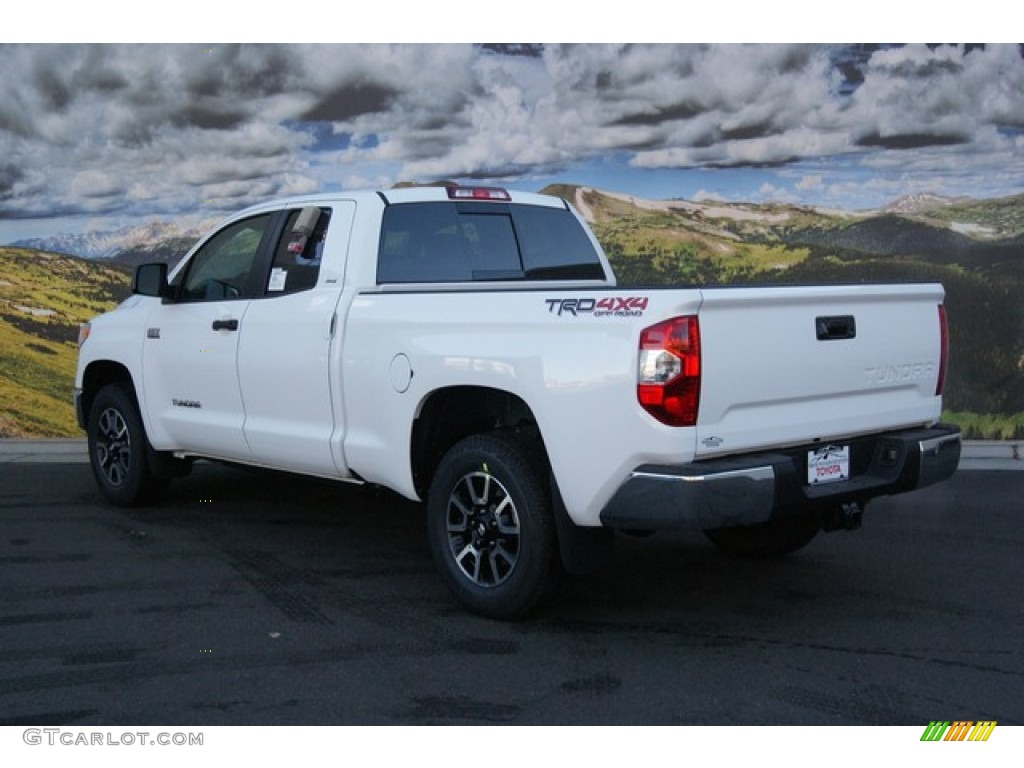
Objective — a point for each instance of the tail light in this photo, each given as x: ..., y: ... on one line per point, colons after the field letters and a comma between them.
x: 668, y: 373
x: 943, y: 350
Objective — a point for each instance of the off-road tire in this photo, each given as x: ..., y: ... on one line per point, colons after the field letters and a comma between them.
x: 118, y: 448
x: 490, y: 524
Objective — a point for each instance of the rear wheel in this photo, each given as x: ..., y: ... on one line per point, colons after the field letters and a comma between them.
x: 118, y: 447
x: 491, y: 527
x: 772, y: 539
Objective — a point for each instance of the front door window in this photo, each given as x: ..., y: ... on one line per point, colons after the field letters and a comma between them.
x: 223, y: 267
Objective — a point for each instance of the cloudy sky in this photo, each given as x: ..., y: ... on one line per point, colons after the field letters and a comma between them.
x: 96, y: 136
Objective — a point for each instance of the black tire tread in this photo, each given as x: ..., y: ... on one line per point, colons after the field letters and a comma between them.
x: 519, y: 463
x: 141, y: 485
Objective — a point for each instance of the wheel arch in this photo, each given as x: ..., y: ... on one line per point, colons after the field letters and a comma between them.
x: 99, y: 374
x: 450, y: 414
x: 162, y: 466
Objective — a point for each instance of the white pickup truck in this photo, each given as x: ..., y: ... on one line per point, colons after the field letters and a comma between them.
x: 468, y: 346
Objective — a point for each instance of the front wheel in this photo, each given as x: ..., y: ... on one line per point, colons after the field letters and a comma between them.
x: 771, y: 539
x: 118, y: 447
x: 491, y: 528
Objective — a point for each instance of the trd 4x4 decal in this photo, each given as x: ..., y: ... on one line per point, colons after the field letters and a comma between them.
x: 609, y: 306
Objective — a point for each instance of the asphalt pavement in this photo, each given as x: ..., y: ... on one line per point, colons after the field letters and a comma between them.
x: 247, y: 598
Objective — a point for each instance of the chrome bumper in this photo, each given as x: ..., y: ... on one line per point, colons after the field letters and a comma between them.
x: 752, y: 489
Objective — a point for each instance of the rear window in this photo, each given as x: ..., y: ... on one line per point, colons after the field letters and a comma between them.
x: 442, y: 242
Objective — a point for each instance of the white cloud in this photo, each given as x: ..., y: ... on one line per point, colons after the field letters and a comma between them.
x: 704, y: 196
x: 93, y: 182
x: 810, y: 182
x: 771, y: 192
x: 158, y: 128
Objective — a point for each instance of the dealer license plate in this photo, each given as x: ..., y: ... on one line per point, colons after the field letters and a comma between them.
x: 829, y: 464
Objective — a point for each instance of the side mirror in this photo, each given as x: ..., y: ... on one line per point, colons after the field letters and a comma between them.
x: 151, y: 280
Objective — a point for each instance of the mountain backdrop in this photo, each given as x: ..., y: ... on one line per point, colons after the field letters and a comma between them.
x: 974, y: 247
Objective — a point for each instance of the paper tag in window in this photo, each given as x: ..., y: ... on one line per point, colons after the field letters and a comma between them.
x: 278, y: 278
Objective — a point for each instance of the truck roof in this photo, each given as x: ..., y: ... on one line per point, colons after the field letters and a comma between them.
x: 414, y: 194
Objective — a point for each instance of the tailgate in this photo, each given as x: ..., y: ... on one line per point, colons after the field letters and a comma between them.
x: 790, y: 365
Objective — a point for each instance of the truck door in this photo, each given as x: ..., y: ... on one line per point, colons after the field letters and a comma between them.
x: 292, y: 403
x: 191, y: 349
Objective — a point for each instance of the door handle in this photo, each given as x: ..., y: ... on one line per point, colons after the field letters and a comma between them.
x: 832, y: 328
x: 225, y: 325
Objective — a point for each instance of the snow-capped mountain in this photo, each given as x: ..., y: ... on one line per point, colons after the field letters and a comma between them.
x: 111, y: 243
x: 920, y: 203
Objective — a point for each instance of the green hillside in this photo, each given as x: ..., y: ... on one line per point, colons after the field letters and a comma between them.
x: 999, y: 218
x: 43, y: 298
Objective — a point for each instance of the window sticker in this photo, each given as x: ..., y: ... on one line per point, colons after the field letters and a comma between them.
x: 278, y: 278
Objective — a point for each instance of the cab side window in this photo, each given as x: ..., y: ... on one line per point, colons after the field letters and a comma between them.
x: 223, y: 267
x: 422, y: 243
x: 296, y: 263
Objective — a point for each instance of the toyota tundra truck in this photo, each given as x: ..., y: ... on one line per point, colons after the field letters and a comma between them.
x: 468, y: 347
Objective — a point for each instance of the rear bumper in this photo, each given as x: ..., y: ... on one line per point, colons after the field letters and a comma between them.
x: 755, y: 488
